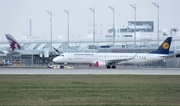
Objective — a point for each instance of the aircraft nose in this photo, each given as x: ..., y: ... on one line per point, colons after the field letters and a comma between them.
x: 55, y: 59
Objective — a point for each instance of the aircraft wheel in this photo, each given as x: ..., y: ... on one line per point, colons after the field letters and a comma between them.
x: 61, y: 66
x: 114, y: 67
x: 108, y: 66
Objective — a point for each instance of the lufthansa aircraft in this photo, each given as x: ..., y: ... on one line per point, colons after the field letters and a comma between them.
x: 110, y: 59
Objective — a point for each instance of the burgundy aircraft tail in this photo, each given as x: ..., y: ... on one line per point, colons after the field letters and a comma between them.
x: 13, y: 43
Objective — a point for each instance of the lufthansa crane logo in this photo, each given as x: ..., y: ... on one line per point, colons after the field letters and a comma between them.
x: 165, y: 45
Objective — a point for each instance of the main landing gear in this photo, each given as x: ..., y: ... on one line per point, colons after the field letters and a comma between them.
x: 113, y: 67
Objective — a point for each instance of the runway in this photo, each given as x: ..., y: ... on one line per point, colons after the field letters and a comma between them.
x: 123, y: 71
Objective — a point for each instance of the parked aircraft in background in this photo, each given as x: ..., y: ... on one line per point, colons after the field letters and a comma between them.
x: 16, y: 48
x: 111, y: 59
x: 13, y: 43
x: 3, y: 53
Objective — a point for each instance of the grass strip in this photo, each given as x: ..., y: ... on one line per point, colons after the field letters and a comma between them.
x: 90, y: 90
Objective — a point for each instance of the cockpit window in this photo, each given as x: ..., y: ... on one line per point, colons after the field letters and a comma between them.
x: 61, y: 55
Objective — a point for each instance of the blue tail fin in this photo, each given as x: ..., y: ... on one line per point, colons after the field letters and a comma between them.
x: 164, y: 48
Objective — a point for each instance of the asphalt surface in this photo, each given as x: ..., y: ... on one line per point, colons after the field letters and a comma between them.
x: 98, y: 71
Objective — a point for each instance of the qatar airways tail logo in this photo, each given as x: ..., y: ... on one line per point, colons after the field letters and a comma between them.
x: 14, y: 45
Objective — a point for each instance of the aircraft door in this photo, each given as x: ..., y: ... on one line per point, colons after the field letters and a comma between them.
x: 70, y: 56
x: 149, y: 57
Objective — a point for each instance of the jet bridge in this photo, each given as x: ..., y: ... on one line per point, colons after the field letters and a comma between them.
x: 37, y: 46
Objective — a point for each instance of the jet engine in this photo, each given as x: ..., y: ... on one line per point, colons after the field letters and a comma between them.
x: 90, y: 64
x: 100, y: 63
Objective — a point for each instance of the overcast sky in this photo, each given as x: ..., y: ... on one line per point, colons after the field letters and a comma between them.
x: 15, y: 15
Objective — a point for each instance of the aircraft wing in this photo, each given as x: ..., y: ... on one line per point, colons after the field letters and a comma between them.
x: 120, y: 60
x: 15, y: 53
x: 115, y: 61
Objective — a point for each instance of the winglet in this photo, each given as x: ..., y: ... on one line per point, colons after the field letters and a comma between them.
x: 165, y: 46
x: 12, y: 42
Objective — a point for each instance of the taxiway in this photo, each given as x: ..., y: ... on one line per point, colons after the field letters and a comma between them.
x: 123, y: 71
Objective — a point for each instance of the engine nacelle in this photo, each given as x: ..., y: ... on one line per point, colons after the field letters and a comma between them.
x: 100, y: 63
x: 90, y: 64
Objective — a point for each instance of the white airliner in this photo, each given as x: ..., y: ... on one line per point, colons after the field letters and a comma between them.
x: 110, y: 59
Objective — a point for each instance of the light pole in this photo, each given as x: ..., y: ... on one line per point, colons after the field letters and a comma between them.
x: 67, y: 12
x: 93, y: 10
x: 134, y: 6
x: 112, y: 8
x: 157, y: 5
x: 50, y: 13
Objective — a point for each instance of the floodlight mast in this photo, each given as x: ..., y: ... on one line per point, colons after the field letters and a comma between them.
x: 157, y: 5
x: 67, y: 12
x: 93, y: 10
x: 50, y: 13
x: 113, y: 9
x: 134, y: 7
